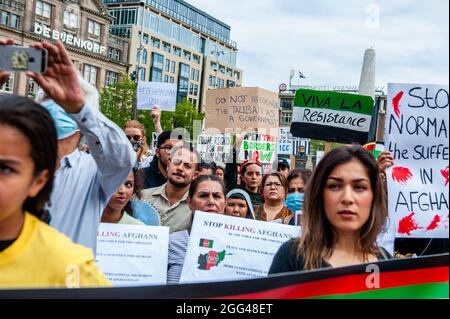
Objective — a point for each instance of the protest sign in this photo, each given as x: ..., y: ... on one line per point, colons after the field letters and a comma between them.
x: 215, y: 147
x: 259, y: 147
x: 131, y: 255
x: 332, y: 116
x: 285, y: 142
x: 150, y: 94
x: 242, y: 107
x: 416, y: 134
x: 228, y: 248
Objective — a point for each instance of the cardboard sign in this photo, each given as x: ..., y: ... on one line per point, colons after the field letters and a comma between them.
x: 150, y: 94
x: 230, y: 248
x: 131, y: 255
x: 416, y: 134
x: 241, y: 107
x: 214, y: 147
x: 332, y: 116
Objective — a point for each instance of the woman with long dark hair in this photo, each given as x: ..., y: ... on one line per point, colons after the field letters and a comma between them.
x: 344, y: 211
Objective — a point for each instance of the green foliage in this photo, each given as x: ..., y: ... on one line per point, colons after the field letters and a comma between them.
x: 117, y: 100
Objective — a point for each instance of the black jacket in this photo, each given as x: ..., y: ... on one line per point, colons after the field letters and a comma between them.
x: 153, y: 176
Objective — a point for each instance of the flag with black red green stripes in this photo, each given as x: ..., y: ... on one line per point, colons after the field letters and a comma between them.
x: 207, y: 243
x: 332, y: 116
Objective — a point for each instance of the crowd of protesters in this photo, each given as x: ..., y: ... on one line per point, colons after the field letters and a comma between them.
x: 54, y: 195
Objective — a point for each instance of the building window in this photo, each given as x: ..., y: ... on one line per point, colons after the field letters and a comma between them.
x: 286, y: 117
x: 166, y: 78
x: 196, y: 58
x: 4, y: 18
x: 157, y: 67
x: 114, y: 53
x: 32, y: 88
x: 171, y: 79
x: 177, y: 51
x: 142, y: 74
x: 70, y: 19
x: 193, y: 74
x: 145, y: 38
x: 187, y: 55
x: 166, y: 46
x: 184, y: 70
x: 195, y: 89
x: 197, y: 75
x: 172, y: 67
x: 156, y: 42
x: 191, y: 88
x: 144, y: 56
x: 231, y: 84
x: 43, y: 9
x: 94, y: 28
x: 111, y: 78
x: 286, y: 104
x: 8, y: 87
x: 167, y: 68
x: 90, y: 74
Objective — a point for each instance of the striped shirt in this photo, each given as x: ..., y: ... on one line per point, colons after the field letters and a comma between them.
x: 178, y: 242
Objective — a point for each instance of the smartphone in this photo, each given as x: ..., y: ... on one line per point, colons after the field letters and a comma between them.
x: 18, y: 58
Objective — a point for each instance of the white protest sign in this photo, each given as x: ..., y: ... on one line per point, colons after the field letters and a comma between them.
x: 259, y: 147
x: 285, y: 146
x: 230, y: 248
x: 214, y: 148
x: 416, y: 134
x: 131, y: 255
x: 150, y: 94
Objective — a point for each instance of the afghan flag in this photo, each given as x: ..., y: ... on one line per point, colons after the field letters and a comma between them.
x: 408, y: 278
x: 332, y: 116
x: 207, y: 243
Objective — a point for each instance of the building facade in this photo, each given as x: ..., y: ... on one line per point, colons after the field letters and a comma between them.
x: 179, y: 44
x: 83, y: 27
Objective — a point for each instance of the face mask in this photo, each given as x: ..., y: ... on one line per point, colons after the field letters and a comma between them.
x: 294, y: 201
x: 136, y: 144
x: 65, y: 125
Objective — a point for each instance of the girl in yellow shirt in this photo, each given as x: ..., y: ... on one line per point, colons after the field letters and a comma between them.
x: 32, y: 254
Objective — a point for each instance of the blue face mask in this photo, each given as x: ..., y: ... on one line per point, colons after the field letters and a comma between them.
x: 65, y: 125
x: 294, y: 201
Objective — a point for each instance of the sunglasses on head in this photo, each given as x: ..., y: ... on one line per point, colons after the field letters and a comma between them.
x: 134, y: 137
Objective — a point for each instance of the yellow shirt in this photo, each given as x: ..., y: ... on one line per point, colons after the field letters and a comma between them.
x: 41, y: 257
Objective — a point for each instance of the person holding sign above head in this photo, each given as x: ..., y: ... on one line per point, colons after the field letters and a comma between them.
x: 115, y: 211
x: 250, y: 173
x: 273, y: 189
x: 409, y: 247
x: 32, y: 254
x: 283, y: 167
x: 239, y: 204
x: 206, y: 194
x: 135, y: 132
x: 345, y: 210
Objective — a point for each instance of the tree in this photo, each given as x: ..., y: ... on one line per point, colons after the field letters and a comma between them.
x: 185, y: 115
x: 117, y: 100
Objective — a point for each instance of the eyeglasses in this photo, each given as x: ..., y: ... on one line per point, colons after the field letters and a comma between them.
x: 269, y: 185
x: 134, y: 137
x: 166, y: 148
x: 298, y: 190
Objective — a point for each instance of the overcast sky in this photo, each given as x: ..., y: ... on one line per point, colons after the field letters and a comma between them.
x: 326, y: 39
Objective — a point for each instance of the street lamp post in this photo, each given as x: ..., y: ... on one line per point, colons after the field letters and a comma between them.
x: 142, y: 6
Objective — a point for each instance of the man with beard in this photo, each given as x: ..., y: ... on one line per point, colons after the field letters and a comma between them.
x: 170, y: 198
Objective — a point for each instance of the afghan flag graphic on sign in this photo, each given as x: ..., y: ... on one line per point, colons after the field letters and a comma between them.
x: 207, y: 243
x: 211, y: 259
x: 332, y: 116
